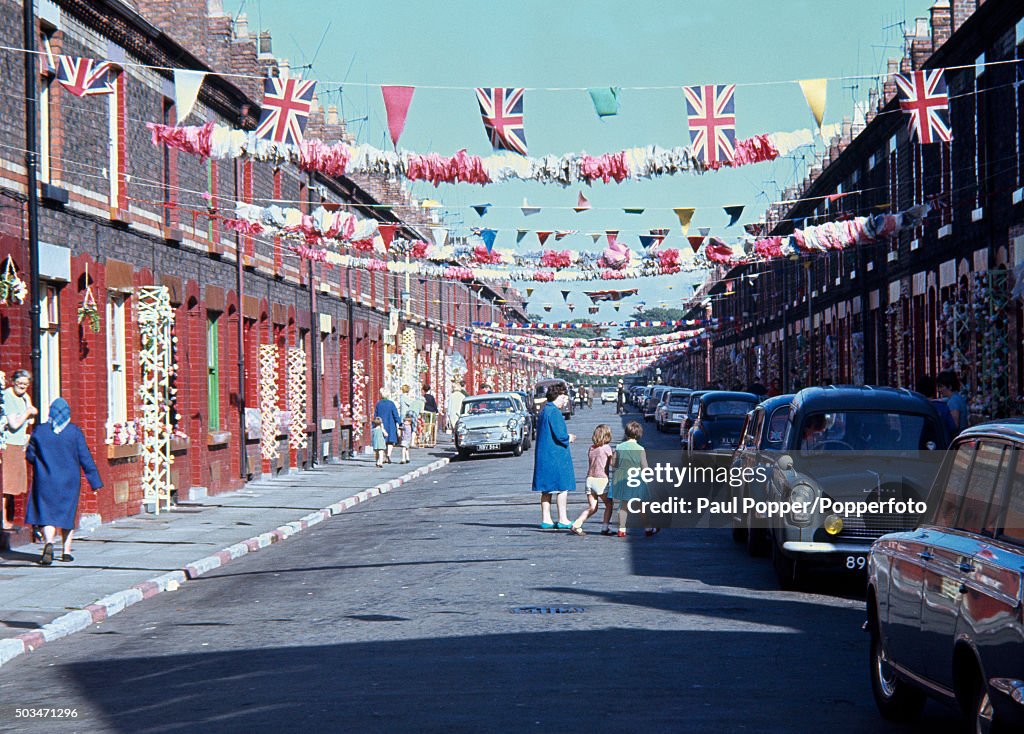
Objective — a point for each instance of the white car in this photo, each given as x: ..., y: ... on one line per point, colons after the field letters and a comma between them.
x: 609, y: 395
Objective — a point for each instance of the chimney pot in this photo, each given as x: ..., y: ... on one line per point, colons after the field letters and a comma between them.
x: 265, y: 45
x: 332, y: 115
x: 242, y: 27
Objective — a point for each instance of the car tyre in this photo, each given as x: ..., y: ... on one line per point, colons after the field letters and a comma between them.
x: 757, y: 539
x: 739, y: 533
x: 517, y: 450
x: 896, y: 699
x: 786, y: 569
x: 463, y: 454
x: 984, y: 718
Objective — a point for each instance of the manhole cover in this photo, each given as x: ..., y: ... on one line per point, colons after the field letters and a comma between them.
x: 547, y: 610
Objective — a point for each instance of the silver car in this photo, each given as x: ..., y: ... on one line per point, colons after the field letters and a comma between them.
x: 491, y: 423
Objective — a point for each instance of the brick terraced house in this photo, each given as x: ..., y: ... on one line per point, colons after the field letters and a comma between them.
x: 118, y: 213
x: 938, y: 296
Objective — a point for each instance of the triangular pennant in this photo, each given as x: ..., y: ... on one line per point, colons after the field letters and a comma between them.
x: 542, y: 237
x: 595, y: 236
x: 685, y: 214
x: 605, y: 99
x: 647, y: 240
x: 695, y: 241
x: 633, y: 210
x: 547, y: 307
x: 581, y: 203
x: 396, y: 102
x: 529, y: 210
x: 186, y: 90
x: 617, y: 306
x: 440, y: 235
x: 565, y: 296
x: 704, y: 231
x: 593, y: 309
x: 520, y: 234
x: 572, y: 307
x: 387, y: 233
x: 814, y: 92
x: 734, y: 212
x: 488, y: 236
x: 529, y: 292
x: 481, y: 209
x: 612, y: 235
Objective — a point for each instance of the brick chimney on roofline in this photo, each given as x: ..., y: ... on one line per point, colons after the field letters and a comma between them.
x: 889, y: 88
x: 920, y: 47
x: 942, y: 23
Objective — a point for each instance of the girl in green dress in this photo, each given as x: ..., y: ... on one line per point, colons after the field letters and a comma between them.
x: 629, y: 455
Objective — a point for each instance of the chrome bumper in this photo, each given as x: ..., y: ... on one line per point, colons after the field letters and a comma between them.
x: 808, y: 546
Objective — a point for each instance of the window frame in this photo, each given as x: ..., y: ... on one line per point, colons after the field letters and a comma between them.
x: 213, y: 371
x: 49, y: 346
x: 117, y: 357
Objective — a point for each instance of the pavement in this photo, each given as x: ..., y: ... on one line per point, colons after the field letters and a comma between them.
x: 120, y: 563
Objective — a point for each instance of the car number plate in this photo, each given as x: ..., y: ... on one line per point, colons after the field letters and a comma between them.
x: 856, y: 563
x: 490, y: 447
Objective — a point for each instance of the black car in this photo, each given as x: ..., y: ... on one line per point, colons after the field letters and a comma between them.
x: 719, y: 420
x: 845, y: 445
x: 760, y: 444
x: 693, y: 405
x: 531, y: 407
x: 945, y: 600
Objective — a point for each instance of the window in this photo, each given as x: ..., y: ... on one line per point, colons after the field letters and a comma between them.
x: 44, y: 111
x: 979, y: 65
x: 117, y: 369
x: 1013, y: 525
x: 169, y: 119
x: 213, y: 373
x: 115, y: 144
x: 49, y: 338
x: 953, y: 488
x: 984, y: 476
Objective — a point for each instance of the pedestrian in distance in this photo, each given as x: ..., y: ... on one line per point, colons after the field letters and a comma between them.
x: 599, y: 456
x: 620, y: 399
x: 552, y: 463
x: 379, y: 441
x: 949, y: 390
x: 627, y: 484
x: 59, y: 456
x: 388, y: 413
x: 408, y: 427
x: 455, y: 405
x: 19, y: 414
x: 926, y: 386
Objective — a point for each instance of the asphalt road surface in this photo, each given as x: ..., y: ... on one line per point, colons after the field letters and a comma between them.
x: 398, y: 616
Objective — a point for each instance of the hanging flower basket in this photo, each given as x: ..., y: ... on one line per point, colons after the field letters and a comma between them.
x: 13, y: 290
x: 89, y: 310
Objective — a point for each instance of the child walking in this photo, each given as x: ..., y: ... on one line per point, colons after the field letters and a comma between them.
x: 379, y: 442
x: 598, y: 458
x: 407, y: 429
x: 626, y: 485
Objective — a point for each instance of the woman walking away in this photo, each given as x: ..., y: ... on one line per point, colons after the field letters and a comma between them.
x: 59, y: 455
x: 19, y: 414
x: 598, y: 458
x: 378, y: 441
x: 552, y: 463
x: 387, y: 411
x: 630, y: 457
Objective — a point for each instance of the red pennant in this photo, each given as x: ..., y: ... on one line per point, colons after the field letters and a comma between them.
x: 695, y: 241
x: 542, y: 237
x: 396, y: 102
x: 387, y: 233
x: 612, y: 234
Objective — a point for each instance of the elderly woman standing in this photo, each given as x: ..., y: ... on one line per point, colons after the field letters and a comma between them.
x: 387, y: 411
x: 552, y: 467
x: 58, y: 454
x: 19, y: 414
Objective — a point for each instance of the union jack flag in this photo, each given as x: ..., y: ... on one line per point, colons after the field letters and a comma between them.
x: 286, y: 105
x: 712, y: 114
x: 84, y: 77
x: 923, y: 96
x: 502, y: 112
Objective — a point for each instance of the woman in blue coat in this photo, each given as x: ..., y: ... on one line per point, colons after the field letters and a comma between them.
x: 552, y: 465
x: 387, y: 411
x: 58, y: 453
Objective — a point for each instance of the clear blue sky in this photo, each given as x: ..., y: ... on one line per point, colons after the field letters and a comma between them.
x: 467, y: 43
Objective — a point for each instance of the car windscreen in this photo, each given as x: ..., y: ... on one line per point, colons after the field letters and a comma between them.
x: 490, y: 405
x: 541, y: 390
x: 728, y: 408
x: 679, y: 399
x: 868, y: 431
x: 777, y: 428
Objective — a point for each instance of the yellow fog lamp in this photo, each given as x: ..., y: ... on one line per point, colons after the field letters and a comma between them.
x: 833, y: 524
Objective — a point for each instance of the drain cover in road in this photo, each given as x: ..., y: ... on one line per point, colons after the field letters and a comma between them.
x: 547, y: 610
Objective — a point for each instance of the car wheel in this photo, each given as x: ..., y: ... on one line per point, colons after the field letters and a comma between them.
x: 517, y: 450
x: 983, y: 716
x: 463, y: 454
x: 739, y: 533
x: 896, y: 699
x: 786, y: 569
x: 757, y: 539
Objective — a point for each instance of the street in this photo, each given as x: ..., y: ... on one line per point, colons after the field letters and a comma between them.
x: 398, y: 616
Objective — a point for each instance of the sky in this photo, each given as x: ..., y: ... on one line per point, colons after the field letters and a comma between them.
x: 355, y: 46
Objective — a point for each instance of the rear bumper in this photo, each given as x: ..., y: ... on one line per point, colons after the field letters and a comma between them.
x: 815, y: 548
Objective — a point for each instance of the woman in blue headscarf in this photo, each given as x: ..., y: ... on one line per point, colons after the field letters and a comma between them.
x: 59, y: 455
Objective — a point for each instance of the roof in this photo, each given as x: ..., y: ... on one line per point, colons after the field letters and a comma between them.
x: 1009, y: 428
x: 713, y: 396
x: 853, y: 397
x: 777, y: 401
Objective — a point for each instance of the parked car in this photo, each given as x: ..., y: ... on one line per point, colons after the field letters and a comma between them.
x: 531, y: 408
x: 609, y: 394
x: 690, y: 413
x: 540, y: 391
x: 760, y: 444
x: 526, y: 410
x: 489, y: 423
x: 944, y: 601
x: 719, y: 421
x: 671, y: 409
x: 651, y: 402
x: 642, y: 395
x: 853, y: 444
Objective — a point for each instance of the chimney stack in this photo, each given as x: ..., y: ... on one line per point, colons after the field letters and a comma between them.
x: 942, y: 22
x: 889, y: 88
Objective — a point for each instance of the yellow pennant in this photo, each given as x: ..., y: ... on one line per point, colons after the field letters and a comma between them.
x: 685, y: 214
x: 814, y: 92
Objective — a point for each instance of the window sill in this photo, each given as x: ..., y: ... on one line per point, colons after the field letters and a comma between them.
x: 179, y: 445
x: 121, y: 216
x: 218, y: 439
x: 51, y: 194
x: 124, y: 451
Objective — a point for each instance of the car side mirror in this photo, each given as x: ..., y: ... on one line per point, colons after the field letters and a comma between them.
x: 785, y: 462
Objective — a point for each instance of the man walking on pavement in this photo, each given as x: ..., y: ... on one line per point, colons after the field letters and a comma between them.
x: 620, y: 399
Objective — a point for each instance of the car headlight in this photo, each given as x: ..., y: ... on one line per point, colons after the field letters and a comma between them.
x: 512, y: 424
x: 802, y: 496
x: 461, y: 430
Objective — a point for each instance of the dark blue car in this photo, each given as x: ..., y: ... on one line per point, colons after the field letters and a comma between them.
x: 719, y: 422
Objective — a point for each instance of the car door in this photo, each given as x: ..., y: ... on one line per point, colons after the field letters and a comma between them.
x: 949, y: 564
x: 909, y: 558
